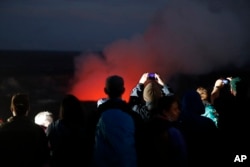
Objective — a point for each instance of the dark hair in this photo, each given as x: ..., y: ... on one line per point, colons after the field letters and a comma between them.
x: 20, y: 103
x: 70, y: 108
x: 114, y: 86
x: 191, y: 102
x: 165, y: 103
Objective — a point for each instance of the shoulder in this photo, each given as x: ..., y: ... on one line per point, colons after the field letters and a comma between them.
x: 52, y: 126
x: 5, y: 126
x: 207, y: 123
x: 116, y: 104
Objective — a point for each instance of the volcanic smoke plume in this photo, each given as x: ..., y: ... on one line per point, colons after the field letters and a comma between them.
x: 188, y: 36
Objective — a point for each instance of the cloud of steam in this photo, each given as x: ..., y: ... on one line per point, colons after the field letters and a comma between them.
x: 192, y: 37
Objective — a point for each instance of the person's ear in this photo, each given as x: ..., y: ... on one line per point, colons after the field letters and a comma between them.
x: 106, y: 90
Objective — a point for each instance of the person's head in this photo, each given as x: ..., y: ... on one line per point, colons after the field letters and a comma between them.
x: 71, y: 108
x: 169, y: 108
x: 203, y: 93
x: 44, y: 119
x: 114, y: 86
x: 191, y: 103
x: 20, y: 104
x: 152, y: 92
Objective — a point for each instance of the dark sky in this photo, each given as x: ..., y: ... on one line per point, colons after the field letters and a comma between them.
x: 72, y: 24
x: 94, y: 24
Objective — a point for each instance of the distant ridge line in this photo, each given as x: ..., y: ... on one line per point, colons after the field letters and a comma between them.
x: 30, y: 62
x: 27, y: 52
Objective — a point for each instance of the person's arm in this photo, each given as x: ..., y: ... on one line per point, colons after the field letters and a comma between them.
x: 136, y: 93
x: 216, y: 90
x: 167, y: 91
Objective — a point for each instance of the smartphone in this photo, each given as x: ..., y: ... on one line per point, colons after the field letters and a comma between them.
x: 225, y: 81
x: 151, y: 75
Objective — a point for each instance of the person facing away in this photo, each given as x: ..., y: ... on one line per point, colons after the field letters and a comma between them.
x: 22, y: 142
x: 164, y: 144
x: 210, y: 111
x: 115, y: 144
x: 201, y: 134
x: 144, y: 96
x: 231, y: 100
x: 66, y: 135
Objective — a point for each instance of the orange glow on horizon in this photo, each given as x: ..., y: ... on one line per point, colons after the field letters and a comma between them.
x: 95, y: 91
x: 129, y: 59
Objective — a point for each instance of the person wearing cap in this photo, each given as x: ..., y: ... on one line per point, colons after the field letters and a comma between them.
x: 144, y: 96
x: 115, y: 129
x: 22, y: 142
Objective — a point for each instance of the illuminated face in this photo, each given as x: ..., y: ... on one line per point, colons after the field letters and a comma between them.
x: 173, y: 113
x: 203, y: 93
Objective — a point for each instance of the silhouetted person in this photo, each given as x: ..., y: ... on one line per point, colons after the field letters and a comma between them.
x: 232, y: 102
x: 201, y: 134
x: 144, y: 96
x: 67, y: 135
x: 164, y: 144
x: 115, y: 144
x: 22, y: 142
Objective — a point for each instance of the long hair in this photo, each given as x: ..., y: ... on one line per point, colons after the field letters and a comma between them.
x: 71, y: 109
x: 152, y: 92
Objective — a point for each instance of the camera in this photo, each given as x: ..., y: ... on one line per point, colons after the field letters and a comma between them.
x: 225, y: 81
x: 151, y: 76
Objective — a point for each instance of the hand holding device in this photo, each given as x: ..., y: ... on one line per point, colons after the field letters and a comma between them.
x: 151, y: 76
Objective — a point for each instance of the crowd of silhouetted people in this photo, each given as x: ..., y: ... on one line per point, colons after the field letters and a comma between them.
x: 155, y: 128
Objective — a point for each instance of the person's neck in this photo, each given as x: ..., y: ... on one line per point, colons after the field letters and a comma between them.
x: 119, y: 97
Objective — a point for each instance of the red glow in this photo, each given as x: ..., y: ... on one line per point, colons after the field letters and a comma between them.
x: 92, y: 72
x: 127, y: 58
x: 92, y: 91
